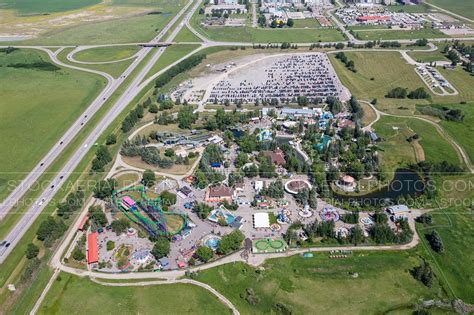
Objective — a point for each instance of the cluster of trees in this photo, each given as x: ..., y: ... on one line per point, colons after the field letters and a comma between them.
x: 97, y: 217
x: 425, y: 219
x: 120, y: 226
x: 424, y: 274
x: 205, y: 174
x: 181, y: 67
x: 204, y: 254
x: 435, y: 241
x: 167, y: 199
x: 102, y: 158
x: 150, y: 155
x: 400, y: 93
x: 419, y: 93
x: 274, y: 190
x: 31, y: 251
x: 381, y: 232
x: 346, y: 61
x: 443, y: 112
x: 280, y: 24
x: 334, y: 104
x: 351, y: 218
x: 231, y: 242
x: 355, y: 109
x: 132, y: 118
x: 161, y: 248
x: 307, y: 197
x: 73, y: 202
x: 390, y: 44
x: 421, y: 42
x: 186, y: 117
x: 104, y: 188
x: 202, y: 210
x: 287, y: 45
x: 50, y: 230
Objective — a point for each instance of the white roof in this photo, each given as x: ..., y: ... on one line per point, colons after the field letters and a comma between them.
x: 258, y: 185
x: 261, y: 220
x: 398, y: 209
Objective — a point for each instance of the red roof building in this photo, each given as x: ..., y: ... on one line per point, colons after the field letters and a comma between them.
x: 277, y: 157
x: 93, y: 248
x: 219, y: 194
x: 83, y: 223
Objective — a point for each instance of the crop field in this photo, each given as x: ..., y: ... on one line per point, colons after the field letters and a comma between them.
x: 104, y: 54
x: 320, y: 285
x: 28, y: 7
x: 44, y: 100
x: 97, y: 24
x: 69, y: 296
x: 462, y: 7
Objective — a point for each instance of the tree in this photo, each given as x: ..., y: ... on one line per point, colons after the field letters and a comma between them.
x: 167, y: 199
x: 424, y: 274
x: 186, y: 117
x: 104, y: 188
x: 102, y: 158
x: 111, y: 139
x: 251, y: 171
x: 97, y: 216
x: 148, y: 178
x: 169, y: 152
x: 231, y: 242
x: 356, y: 236
x: 161, y: 248
x: 435, y: 241
x: 78, y: 254
x: 204, y: 253
x: 153, y: 109
x: 120, y: 226
x: 290, y: 23
x: 397, y: 92
x: 241, y: 159
x: 31, y: 251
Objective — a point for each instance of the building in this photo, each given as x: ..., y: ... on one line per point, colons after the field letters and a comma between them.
x: 185, y: 192
x: 398, y: 211
x: 368, y: 19
x: 83, y: 223
x: 261, y: 220
x: 227, y: 8
x: 219, y: 194
x: 93, y: 248
x: 277, y: 157
x: 258, y: 186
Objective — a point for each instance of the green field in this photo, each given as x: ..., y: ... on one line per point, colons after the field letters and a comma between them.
x: 388, y: 70
x: 37, y: 108
x: 462, y: 131
x: 320, y: 285
x: 79, y: 295
x: 421, y: 8
x: 171, y: 54
x: 185, y: 35
x: 456, y: 227
x: 388, y: 34
x: 45, y: 6
x: 104, y: 54
x: 462, y: 7
x: 431, y: 56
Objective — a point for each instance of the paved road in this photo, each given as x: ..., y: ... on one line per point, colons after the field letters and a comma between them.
x: 33, y: 212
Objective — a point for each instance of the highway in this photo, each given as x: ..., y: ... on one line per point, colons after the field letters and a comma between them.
x: 132, y: 90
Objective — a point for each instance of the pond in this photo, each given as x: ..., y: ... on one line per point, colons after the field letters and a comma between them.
x: 405, y: 182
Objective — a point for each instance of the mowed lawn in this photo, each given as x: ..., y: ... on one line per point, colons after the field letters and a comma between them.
x: 321, y: 285
x: 46, y: 6
x: 104, y: 54
x: 462, y: 7
x: 75, y: 295
x: 37, y: 106
x: 390, y: 34
x: 377, y: 73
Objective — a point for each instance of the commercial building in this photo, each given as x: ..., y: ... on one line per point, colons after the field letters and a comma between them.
x: 93, y: 248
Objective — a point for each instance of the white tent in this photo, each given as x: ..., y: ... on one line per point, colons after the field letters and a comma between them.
x: 261, y: 220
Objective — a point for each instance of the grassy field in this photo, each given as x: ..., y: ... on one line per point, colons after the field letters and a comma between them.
x: 103, y: 54
x: 185, y: 35
x: 377, y: 73
x: 462, y: 7
x: 44, y: 103
x: 422, y: 8
x: 389, y: 34
x: 171, y: 54
x: 128, y: 179
x: 431, y: 56
x: 320, y: 285
x: 462, y: 131
x: 69, y: 295
x: 397, y: 150
x: 114, y: 69
x: 46, y: 6
x: 456, y: 227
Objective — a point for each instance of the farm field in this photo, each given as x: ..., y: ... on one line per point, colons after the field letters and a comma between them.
x: 45, y: 6
x: 138, y: 21
x: 69, y: 294
x: 45, y: 102
x: 462, y: 7
x: 104, y: 54
x: 316, y: 285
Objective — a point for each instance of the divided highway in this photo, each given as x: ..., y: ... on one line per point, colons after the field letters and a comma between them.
x: 113, y: 84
